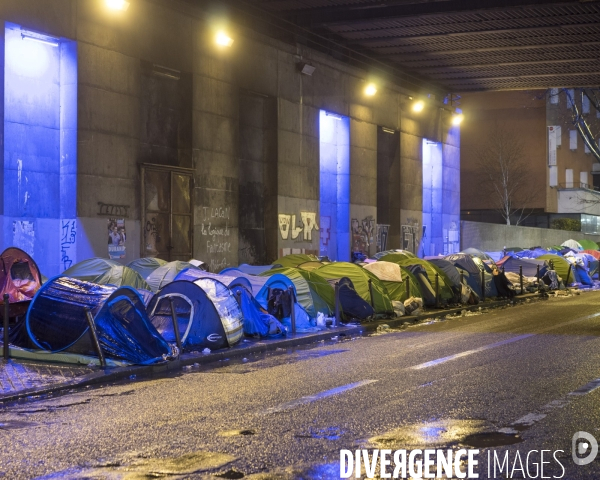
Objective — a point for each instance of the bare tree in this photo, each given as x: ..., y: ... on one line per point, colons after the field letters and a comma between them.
x: 501, y: 163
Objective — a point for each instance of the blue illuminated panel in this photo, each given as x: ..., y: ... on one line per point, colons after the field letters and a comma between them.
x: 40, y: 147
x: 334, y: 202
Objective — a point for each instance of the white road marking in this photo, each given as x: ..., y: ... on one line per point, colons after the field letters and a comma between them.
x: 466, y: 353
x: 318, y: 396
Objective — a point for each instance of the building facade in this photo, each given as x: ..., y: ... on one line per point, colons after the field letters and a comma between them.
x: 131, y: 133
x: 562, y: 172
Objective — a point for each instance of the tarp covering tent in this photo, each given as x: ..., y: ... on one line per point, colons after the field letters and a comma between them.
x: 253, y: 269
x: 208, y: 314
x: 145, y: 266
x: 588, y: 244
x: 20, y: 277
x: 166, y: 273
x: 193, y: 274
x: 573, y: 244
x: 106, y: 272
x: 390, y: 274
x: 313, y: 292
x: 531, y: 253
x: 380, y: 255
x: 530, y: 265
x: 590, y: 263
x: 360, y: 279
x: 257, y: 322
x: 295, y: 259
x: 56, y: 321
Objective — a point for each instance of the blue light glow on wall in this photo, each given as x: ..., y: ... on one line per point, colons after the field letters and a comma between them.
x: 334, y: 201
x: 432, y: 239
x: 40, y: 147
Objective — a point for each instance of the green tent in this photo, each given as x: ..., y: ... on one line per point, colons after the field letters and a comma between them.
x: 145, y: 266
x: 311, y: 265
x: 395, y: 283
x: 360, y: 278
x: 106, y: 272
x: 560, y: 265
x: 314, y: 293
x: 166, y: 274
x: 445, y: 284
x: 588, y: 244
x: 396, y: 257
x: 295, y: 259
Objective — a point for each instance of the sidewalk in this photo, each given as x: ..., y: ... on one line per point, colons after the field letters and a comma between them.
x: 20, y: 378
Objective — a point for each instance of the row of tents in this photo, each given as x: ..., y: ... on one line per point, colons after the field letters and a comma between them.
x: 146, y: 311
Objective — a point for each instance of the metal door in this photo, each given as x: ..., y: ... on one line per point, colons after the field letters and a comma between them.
x: 167, y: 212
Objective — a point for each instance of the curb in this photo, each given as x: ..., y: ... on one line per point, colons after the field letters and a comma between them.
x: 241, y: 350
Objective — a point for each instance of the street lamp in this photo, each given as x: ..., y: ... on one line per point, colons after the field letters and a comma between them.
x: 117, y: 4
x: 370, y: 90
x: 418, y: 106
x: 457, y: 119
x: 223, y: 39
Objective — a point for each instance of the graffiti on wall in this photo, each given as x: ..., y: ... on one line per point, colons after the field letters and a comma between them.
x: 363, y: 234
x: 382, y: 237
x: 24, y: 235
x: 289, y: 228
x: 411, y: 235
x: 217, y: 237
x: 68, y: 243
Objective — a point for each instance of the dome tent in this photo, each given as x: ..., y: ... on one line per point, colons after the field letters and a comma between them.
x: 193, y: 274
x: 406, y: 253
x: 360, y: 280
x: 166, y: 273
x: 106, y: 272
x: 394, y: 277
x: 145, y: 266
x: 588, y: 244
x: 56, y: 321
x: 254, y: 269
x: 20, y: 276
x: 208, y: 314
x: 295, y: 259
x: 573, y: 245
x: 313, y: 292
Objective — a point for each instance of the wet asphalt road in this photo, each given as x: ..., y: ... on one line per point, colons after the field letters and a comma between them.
x: 438, y: 385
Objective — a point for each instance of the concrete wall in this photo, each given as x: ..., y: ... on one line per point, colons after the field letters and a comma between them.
x: 128, y: 116
x: 492, y: 237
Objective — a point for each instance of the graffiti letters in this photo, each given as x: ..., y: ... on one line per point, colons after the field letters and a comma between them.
x: 68, y: 242
x: 363, y: 233
x: 113, y: 210
x: 288, y: 226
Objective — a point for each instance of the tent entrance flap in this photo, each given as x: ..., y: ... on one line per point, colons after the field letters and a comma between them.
x: 162, y: 316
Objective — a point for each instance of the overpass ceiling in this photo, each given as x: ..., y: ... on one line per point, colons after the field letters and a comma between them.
x: 460, y: 45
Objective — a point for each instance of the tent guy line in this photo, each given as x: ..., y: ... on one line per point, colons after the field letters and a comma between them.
x: 466, y: 353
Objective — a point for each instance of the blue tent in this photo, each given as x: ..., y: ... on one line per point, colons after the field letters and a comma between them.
x: 261, y: 285
x: 530, y: 265
x: 56, y: 321
x: 208, y: 314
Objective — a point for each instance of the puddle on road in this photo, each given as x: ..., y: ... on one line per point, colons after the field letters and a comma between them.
x: 491, y: 439
x: 230, y: 474
x: 446, y: 433
x: 149, y: 468
x: 235, y: 433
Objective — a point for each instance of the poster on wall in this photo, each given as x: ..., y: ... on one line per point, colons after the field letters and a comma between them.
x: 116, y: 238
x: 382, y: 236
